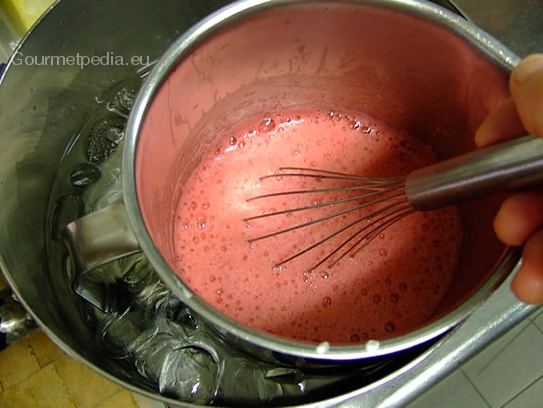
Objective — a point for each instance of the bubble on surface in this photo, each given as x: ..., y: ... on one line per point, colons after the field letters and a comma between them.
x: 354, y: 338
x: 390, y: 327
x: 201, y: 222
x: 326, y: 301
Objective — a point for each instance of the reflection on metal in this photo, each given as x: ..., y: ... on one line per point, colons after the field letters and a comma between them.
x: 15, y: 322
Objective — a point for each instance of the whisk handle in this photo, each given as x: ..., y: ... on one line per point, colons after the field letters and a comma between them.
x: 514, y: 164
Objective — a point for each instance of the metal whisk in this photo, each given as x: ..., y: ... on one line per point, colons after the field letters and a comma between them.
x: 511, y: 165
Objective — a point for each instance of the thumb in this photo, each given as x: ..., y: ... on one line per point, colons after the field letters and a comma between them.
x: 526, y: 85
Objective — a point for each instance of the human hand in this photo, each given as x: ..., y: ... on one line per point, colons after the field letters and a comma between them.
x: 520, y: 218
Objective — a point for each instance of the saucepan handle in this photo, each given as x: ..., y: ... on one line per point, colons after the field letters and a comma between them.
x: 100, y: 237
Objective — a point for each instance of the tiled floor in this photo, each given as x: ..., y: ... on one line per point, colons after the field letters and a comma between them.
x: 34, y: 372
x: 509, y: 374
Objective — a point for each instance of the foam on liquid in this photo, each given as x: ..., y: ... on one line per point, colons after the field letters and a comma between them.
x: 389, y: 287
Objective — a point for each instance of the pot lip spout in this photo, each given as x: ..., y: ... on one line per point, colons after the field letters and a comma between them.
x: 491, y: 48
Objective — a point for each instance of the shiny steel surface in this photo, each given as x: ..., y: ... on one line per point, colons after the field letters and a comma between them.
x: 100, y: 237
x: 15, y: 321
x: 516, y: 23
x: 512, y: 165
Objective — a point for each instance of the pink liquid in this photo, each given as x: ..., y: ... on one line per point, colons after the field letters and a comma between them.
x: 387, y: 288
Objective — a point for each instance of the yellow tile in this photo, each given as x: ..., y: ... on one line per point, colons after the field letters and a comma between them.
x: 85, y: 387
x: 44, y: 349
x: 121, y: 399
x: 17, y: 362
x: 42, y: 389
x: 144, y: 402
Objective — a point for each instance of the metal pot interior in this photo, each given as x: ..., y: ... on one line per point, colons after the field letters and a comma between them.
x: 410, y: 71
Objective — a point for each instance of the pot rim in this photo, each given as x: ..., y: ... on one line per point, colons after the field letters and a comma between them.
x: 491, y: 48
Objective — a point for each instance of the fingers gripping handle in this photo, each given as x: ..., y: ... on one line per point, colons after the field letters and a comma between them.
x: 100, y: 237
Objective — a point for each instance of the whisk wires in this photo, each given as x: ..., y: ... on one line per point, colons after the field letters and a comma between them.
x: 390, y: 192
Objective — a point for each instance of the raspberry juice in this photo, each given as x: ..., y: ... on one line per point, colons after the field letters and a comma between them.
x: 389, y: 287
